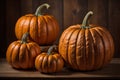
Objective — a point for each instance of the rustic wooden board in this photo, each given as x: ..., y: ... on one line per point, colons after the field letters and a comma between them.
x: 112, y: 70
x: 74, y: 12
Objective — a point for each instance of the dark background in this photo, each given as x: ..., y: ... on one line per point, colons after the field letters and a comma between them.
x: 67, y: 12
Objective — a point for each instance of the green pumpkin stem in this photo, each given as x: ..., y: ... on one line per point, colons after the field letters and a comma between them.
x: 24, y: 38
x: 38, y: 10
x: 51, y: 49
x: 85, y: 23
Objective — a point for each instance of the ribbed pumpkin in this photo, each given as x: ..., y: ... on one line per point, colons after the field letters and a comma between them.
x: 86, y: 46
x: 43, y: 29
x: 49, y: 62
x: 21, y: 54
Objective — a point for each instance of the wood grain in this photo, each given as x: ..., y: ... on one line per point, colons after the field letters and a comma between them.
x: 114, y: 23
x: 100, y: 10
x: 2, y: 29
x: 110, y: 71
x: 74, y: 12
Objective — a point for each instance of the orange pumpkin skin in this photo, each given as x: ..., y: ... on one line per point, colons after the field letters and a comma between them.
x: 86, y: 48
x: 22, y: 55
x: 43, y: 29
x: 49, y: 63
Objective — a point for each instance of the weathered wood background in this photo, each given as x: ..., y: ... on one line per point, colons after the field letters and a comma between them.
x: 67, y: 12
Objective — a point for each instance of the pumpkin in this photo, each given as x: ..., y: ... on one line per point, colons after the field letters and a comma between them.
x: 21, y: 54
x: 49, y: 62
x: 86, y: 46
x: 43, y: 29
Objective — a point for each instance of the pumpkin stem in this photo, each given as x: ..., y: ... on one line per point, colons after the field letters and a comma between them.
x: 51, y: 49
x: 85, y: 23
x: 38, y: 10
x: 24, y: 38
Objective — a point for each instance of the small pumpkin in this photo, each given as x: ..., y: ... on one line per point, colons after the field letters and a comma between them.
x: 21, y: 54
x: 43, y: 29
x: 86, y: 46
x: 49, y: 62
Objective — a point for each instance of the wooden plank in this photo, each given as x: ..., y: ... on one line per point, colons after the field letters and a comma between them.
x: 100, y: 10
x: 110, y: 71
x: 26, y: 7
x: 114, y: 23
x: 2, y: 29
x: 74, y: 12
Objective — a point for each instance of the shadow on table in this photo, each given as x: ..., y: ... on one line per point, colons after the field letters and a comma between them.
x: 110, y: 70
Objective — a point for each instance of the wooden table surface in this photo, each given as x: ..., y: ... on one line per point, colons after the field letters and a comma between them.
x: 112, y: 70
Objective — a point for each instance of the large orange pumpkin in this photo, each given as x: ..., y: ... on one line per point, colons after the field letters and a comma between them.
x: 21, y: 54
x: 87, y: 46
x: 49, y: 62
x: 43, y: 29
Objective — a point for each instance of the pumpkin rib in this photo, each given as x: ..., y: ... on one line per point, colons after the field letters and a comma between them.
x: 56, y: 29
x: 60, y: 62
x: 99, y: 45
x: 50, y: 67
x: 9, y: 52
x: 72, y: 49
x: 27, y: 58
x: 56, y: 59
x: 45, y: 64
x: 33, y: 53
x: 29, y: 47
x: 36, y: 25
x: 89, y: 50
x: 22, y: 56
x: 46, y: 31
x: 78, y: 53
x: 29, y: 54
x: 50, y: 27
x: 39, y: 28
x: 54, y: 64
x: 19, y: 27
x: 94, y: 48
x: 26, y: 25
x: 65, y: 46
x: 103, y: 42
x: 65, y: 33
x: 39, y: 61
x: 42, y: 30
x: 110, y: 40
x: 107, y: 48
x: 33, y: 28
x: 37, y: 48
x: 62, y: 39
x: 15, y: 56
x: 80, y: 50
